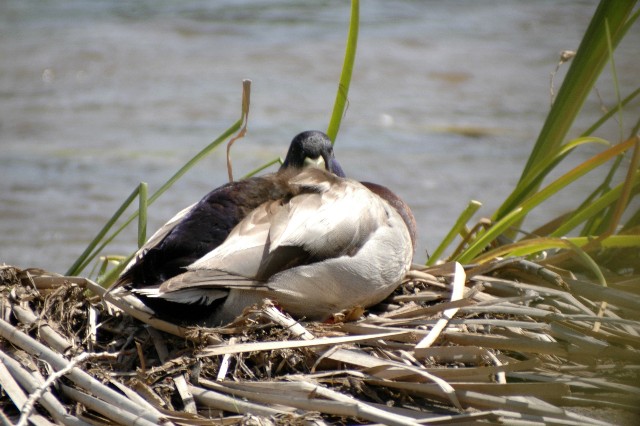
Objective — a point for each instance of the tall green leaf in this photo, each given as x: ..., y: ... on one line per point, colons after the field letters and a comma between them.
x: 585, y: 68
x: 347, y: 70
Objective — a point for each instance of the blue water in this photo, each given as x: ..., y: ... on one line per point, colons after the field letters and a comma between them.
x: 446, y: 101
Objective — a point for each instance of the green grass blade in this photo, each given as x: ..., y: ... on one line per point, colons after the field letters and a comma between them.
x: 538, y: 245
x: 595, y: 225
x: 517, y: 214
x: 347, y: 70
x: 160, y: 191
x: 593, y: 208
x: 627, y: 187
x: 196, y: 159
x: 613, y: 241
x: 142, y: 217
x: 110, y: 277
x: 576, y: 173
x: 610, y: 113
x: 457, y: 228
x: 588, y: 262
x: 585, y: 68
x: 542, y: 169
x: 598, y: 223
x: 485, y: 238
x: 254, y: 172
x: 76, y: 268
x: 616, y: 84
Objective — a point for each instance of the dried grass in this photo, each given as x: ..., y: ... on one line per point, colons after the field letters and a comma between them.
x: 448, y: 347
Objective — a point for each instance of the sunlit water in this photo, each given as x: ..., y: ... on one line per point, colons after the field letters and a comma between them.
x: 446, y: 101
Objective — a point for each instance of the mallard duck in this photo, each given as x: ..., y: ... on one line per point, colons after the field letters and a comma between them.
x: 306, y: 237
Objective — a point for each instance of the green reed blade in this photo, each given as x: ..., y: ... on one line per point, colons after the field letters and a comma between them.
x: 594, y: 207
x: 610, y: 113
x: 347, y: 70
x: 76, y: 268
x: 486, y: 237
x: 585, y: 68
x: 142, y: 217
x: 538, y: 245
x: 588, y: 262
x: 527, y: 205
x: 254, y: 172
x: 457, y: 228
x: 583, y: 72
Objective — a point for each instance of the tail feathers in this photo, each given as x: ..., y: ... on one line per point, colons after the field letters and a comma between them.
x: 209, y: 279
x: 198, y: 296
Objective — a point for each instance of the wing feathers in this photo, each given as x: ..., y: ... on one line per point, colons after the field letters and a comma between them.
x: 326, y: 217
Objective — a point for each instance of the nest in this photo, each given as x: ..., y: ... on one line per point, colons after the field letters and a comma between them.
x: 511, y: 342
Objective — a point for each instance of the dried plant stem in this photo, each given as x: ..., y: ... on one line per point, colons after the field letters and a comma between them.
x: 246, y: 103
x: 78, y: 376
x: 37, y: 394
x: 31, y: 384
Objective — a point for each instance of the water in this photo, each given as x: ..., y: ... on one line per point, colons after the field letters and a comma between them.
x: 96, y: 96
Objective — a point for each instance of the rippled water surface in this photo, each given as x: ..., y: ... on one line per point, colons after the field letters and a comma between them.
x: 96, y: 96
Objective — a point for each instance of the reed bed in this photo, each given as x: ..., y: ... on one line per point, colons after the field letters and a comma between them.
x: 505, y: 342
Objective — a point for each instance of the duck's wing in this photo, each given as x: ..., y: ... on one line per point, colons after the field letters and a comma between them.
x: 159, y: 235
x: 332, y: 217
x: 196, y: 286
x: 328, y: 218
x: 155, y: 239
x: 233, y: 264
x: 197, y: 230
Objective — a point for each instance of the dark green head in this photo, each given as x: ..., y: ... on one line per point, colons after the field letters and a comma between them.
x: 312, y: 148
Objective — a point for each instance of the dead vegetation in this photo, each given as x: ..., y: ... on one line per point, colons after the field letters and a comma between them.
x: 511, y: 342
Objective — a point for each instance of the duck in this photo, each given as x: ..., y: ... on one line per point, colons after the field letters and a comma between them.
x: 307, y: 237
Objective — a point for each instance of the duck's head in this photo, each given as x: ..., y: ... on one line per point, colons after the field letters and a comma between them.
x: 312, y: 149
